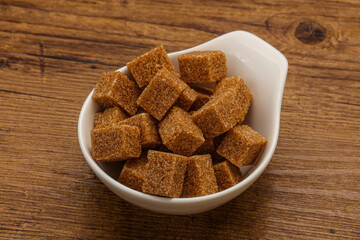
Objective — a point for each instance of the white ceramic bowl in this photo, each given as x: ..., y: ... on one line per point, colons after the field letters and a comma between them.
x: 263, y: 69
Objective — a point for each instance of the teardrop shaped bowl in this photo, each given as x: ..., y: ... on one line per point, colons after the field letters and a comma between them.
x: 264, y: 70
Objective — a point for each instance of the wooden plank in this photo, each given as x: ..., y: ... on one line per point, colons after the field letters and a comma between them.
x: 51, y: 55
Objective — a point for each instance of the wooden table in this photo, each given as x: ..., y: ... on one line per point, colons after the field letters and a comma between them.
x: 51, y: 55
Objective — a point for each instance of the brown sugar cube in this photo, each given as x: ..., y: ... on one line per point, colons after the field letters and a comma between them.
x: 161, y: 93
x: 145, y: 67
x: 179, y: 133
x: 207, y: 147
x: 140, y: 110
x: 227, y: 175
x: 149, y: 135
x: 202, y: 66
x: 115, y: 143
x: 177, y: 74
x: 232, y: 84
x: 132, y: 174
x: 200, y: 101
x: 216, y: 158
x: 241, y: 145
x: 109, y: 117
x: 219, y: 115
x: 164, y: 174
x: 186, y: 98
x: 114, y: 88
x: 226, y: 108
x: 203, y: 96
x: 163, y: 148
x: 218, y: 140
x: 202, y: 89
x: 199, y: 177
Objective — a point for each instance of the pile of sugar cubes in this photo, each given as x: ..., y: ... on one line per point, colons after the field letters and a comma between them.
x: 179, y: 139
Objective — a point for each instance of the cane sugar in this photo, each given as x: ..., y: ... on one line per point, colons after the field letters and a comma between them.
x: 199, y: 177
x: 203, y: 96
x: 227, y: 107
x: 161, y: 93
x: 186, y: 98
x: 109, y: 117
x: 132, y: 174
x: 192, y: 133
x: 227, y: 175
x: 149, y: 135
x: 241, y: 145
x: 115, y: 143
x: 207, y: 147
x: 202, y: 66
x: 116, y: 89
x: 164, y: 174
x: 179, y: 133
x: 146, y: 66
x: 202, y: 89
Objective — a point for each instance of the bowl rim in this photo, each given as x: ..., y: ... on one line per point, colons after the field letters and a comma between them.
x: 248, y: 180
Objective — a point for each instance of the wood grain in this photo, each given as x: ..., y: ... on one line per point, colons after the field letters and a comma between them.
x: 51, y: 55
